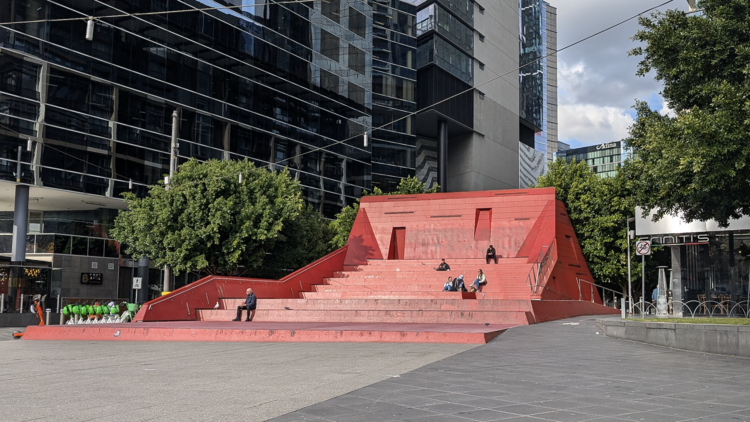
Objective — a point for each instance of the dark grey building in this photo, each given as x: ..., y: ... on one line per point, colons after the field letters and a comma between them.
x: 394, y: 84
x: 469, y: 142
x: 82, y: 121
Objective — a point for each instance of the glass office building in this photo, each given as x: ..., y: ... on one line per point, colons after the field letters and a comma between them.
x: 268, y: 82
x: 604, y: 159
x: 394, y: 84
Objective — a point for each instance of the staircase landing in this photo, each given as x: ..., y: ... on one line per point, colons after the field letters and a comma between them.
x: 266, y: 331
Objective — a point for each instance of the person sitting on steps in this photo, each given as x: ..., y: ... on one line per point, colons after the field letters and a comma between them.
x: 491, y: 255
x: 480, y: 281
x: 460, y: 287
x: 442, y: 267
x: 450, y: 285
x: 250, y: 304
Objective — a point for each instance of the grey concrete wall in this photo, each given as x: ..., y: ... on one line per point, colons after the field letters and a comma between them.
x: 488, y: 158
x: 731, y: 340
x: 26, y: 319
x: 73, y: 266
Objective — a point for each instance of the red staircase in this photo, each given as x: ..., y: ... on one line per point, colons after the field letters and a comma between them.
x: 401, y: 291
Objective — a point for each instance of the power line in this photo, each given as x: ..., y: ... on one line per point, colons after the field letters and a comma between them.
x: 484, y: 83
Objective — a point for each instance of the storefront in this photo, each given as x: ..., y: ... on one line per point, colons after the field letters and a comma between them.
x: 710, y: 264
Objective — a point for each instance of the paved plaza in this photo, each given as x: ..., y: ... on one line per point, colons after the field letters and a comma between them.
x: 547, y: 372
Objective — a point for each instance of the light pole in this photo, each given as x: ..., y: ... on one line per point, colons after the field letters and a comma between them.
x: 629, y: 236
x: 172, y: 166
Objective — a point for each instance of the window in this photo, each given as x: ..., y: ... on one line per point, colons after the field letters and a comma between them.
x: 356, y: 59
x: 481, y: 37
x: 481, y: 66
x: 357, y: 23
x: 481, y: 9
x: 329, y: 45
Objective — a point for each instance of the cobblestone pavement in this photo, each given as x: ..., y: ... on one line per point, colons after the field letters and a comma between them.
x: 553, y: 372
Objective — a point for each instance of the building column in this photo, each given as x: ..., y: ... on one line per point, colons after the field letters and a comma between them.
x: 676, y: 280
x: 18, y: 249
x: 443, y: 155
x: 141, y: 296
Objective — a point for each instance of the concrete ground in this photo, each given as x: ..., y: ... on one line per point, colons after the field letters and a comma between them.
x: 138, y: 381
x: 553, y: 372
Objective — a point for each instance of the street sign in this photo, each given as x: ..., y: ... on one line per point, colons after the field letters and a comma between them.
x: 643, y: 247
x: 137, y: 282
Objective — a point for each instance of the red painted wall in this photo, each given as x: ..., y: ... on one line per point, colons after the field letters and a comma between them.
x: 181, y: 304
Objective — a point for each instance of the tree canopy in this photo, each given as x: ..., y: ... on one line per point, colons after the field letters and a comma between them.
x: 208, y: 221
x: 342, y: 225
x: 696, y: 163
x: 598, y: 209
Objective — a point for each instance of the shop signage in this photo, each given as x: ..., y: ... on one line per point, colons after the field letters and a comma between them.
x: 675, y: 240
x: 91, y: 278
x: 606, y: 146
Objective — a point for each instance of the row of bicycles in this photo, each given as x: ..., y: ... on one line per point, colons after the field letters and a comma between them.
x: 99, y: 313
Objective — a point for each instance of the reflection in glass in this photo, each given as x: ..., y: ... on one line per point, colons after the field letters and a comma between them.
x: 80, y: 245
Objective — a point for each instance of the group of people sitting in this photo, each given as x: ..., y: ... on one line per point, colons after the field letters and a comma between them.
x: 459, y: 285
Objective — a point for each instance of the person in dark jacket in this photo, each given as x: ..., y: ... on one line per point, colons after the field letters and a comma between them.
x: 491, y: 255
x: 442, y: 267
x: 250, y: 304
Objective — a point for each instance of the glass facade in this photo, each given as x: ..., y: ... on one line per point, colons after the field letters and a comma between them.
x: 394, y: 84
x: 604, y: 159
x: 453, y: 49
x: 265, y: 82
x: 532, y: 20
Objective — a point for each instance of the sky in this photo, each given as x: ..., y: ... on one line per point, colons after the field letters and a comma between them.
x: 597, y: 85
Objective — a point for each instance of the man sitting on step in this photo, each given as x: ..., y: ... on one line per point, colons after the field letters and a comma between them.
x: 250, y: 303
x: 442, y: 267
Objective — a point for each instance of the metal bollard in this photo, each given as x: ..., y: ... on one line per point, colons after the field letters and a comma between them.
x: 622, y: 308
x: 20, y: 308
x: 2, y: 303
x: 46, y: 321
x: 58, y: 305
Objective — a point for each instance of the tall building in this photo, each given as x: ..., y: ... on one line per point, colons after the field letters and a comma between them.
x: 470, y: 141
x: 603, y: 159
x: 82, y: 121
x: 394, y: 84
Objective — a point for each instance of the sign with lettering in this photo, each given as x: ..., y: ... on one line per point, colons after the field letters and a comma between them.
x: 607, y: 146
x: 91, y: 278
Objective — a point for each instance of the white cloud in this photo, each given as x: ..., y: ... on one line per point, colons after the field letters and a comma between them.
x: 590, y: 124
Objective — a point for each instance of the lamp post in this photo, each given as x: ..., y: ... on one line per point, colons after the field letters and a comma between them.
x: 172, y: 166
x: 629, y: 235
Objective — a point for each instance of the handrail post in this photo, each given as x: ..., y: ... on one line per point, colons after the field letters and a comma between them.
x: 592, y: 293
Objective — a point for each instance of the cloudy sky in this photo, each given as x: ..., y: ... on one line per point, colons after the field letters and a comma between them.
x: 596, y: 79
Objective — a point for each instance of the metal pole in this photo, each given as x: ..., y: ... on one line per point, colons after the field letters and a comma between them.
x: 18, y: 167
x: 2, y: 303
x: 58, y: 304
x: 630, y: 280
x: 172, y: 165
x: 622, y: 309
x: 20, y: 308
x: 46, y: 321
x: 643, y: 283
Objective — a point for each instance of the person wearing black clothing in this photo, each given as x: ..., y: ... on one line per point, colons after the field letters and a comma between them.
x: 250, y: 304
x: 442, y: 267
x: 491, y: 254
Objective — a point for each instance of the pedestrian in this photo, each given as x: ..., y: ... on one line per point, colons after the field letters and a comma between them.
x: 491, y: 255
x: 442, y: 267
x: 481, y: 280
x: 460, y: 284
x: 250, y: 304
x: 449, y: 285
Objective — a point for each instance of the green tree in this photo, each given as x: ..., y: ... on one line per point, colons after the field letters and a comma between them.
x: 208, y: 222
x: 342, y: 225
x: 302, y: 240
x: 599, y: 209
x: 698, y: 162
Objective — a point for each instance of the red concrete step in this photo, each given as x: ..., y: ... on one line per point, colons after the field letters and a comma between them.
x: 256, y: 331
x: 378, y: 304
x: 410, y: 287
x: 376, y: 316
x: 345, y: 281
x: 449, y: 261
x: 388, y: 295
